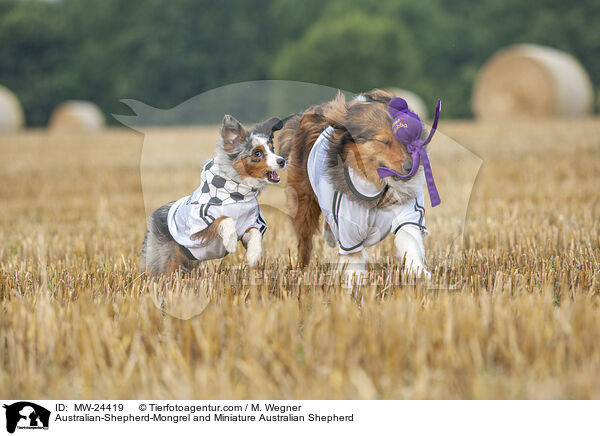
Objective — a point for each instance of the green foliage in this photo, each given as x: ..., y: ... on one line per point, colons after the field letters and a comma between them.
x: 33, y: 51
x: 163, y: 53
x: 340, y: 51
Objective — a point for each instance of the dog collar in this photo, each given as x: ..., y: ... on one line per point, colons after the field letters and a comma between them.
x: 358, y: 185
x: 407, y: 128
x: 361, y: 188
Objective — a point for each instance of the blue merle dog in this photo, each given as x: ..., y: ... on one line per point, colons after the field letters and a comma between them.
x: 223, y: 210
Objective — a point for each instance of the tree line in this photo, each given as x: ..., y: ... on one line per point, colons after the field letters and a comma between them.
x: 163, y: 53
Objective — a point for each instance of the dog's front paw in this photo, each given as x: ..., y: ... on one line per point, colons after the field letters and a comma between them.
x: 230, y: 242
x: 417, y: 270
x: 353, y: 277
x: 353, y: 267
x: 228, y: 235
x: 253, y: 256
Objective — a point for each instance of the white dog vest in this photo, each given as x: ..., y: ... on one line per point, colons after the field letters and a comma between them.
x: 216, y: 196
x: 354, y: 225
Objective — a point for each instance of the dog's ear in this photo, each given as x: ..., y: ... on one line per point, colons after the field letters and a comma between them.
x: 268, y: 127
x: 376, y: 96
x: 232, y: 132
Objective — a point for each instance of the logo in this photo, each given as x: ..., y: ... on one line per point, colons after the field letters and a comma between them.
x: 398, y: 124
x: 26, y: 415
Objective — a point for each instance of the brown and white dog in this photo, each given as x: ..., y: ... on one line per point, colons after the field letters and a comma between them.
x: 223, y: 209
x: 338, y: 178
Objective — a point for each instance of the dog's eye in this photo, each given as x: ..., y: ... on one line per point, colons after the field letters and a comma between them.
x: 258, y: 154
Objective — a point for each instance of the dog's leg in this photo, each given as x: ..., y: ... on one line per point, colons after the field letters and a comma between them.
x: 227, y: 232
x: 306, y: 225
x: 172, y: 266
x: 252, y: 240
x: 354, y: 264
x: 328, y: 235
x: 179, y: 262
x: 305, y: 221
x: 159, y: 249
x: 409, y: 246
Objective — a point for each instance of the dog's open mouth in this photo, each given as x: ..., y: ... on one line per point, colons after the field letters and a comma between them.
x: 272, y: 177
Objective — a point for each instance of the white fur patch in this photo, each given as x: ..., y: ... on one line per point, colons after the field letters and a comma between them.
x: 270, y: 157
x: 409, y: 246
x: 228, y: 234
x: 405, y: 190
x: 354, y: 268
x: 253, y: 240
x: 271, y: 160
x: 260, y: 140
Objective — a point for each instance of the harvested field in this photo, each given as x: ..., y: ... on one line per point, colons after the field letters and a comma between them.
x: 512, y: 313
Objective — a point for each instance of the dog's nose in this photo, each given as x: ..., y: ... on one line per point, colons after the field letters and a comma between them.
x: 407, y: 165
x: 281, y: 162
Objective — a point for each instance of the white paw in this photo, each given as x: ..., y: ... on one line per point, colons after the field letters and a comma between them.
x: 353, y: 277
x: 409, y: 248
x: 253, y: 256
x: 416, y: 269
x: 354, y: 271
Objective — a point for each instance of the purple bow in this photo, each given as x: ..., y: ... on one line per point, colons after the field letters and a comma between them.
x: 407, y: 128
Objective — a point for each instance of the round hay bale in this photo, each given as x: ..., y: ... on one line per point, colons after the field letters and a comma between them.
x: 11, y: 112
x: 415, y: 103
x: 528, y: 80
x: 76, y: 116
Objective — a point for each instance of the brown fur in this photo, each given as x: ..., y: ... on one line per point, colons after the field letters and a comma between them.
x: 377, y: 96
x: 363, y: 140
x: 209, y: 233
x: 253, y: 166
x: 244, y: 240
x: 179, y: 260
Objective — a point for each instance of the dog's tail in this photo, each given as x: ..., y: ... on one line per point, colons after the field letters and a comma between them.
x: 284, y: 138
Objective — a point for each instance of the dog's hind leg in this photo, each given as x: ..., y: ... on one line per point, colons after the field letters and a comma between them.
x: 305, y: 222
x: 159, y: 247
x: 179, y: 261
x: 172, y: 266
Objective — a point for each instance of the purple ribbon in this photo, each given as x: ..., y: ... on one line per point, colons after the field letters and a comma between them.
x: 407, y: 128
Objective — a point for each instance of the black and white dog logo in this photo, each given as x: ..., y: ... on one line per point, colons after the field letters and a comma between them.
x: 26, y: 415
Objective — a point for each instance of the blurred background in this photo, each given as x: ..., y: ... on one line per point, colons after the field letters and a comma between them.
x: 163, y: 53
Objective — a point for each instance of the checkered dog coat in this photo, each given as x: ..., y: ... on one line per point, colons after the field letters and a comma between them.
x: 216, y: 196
